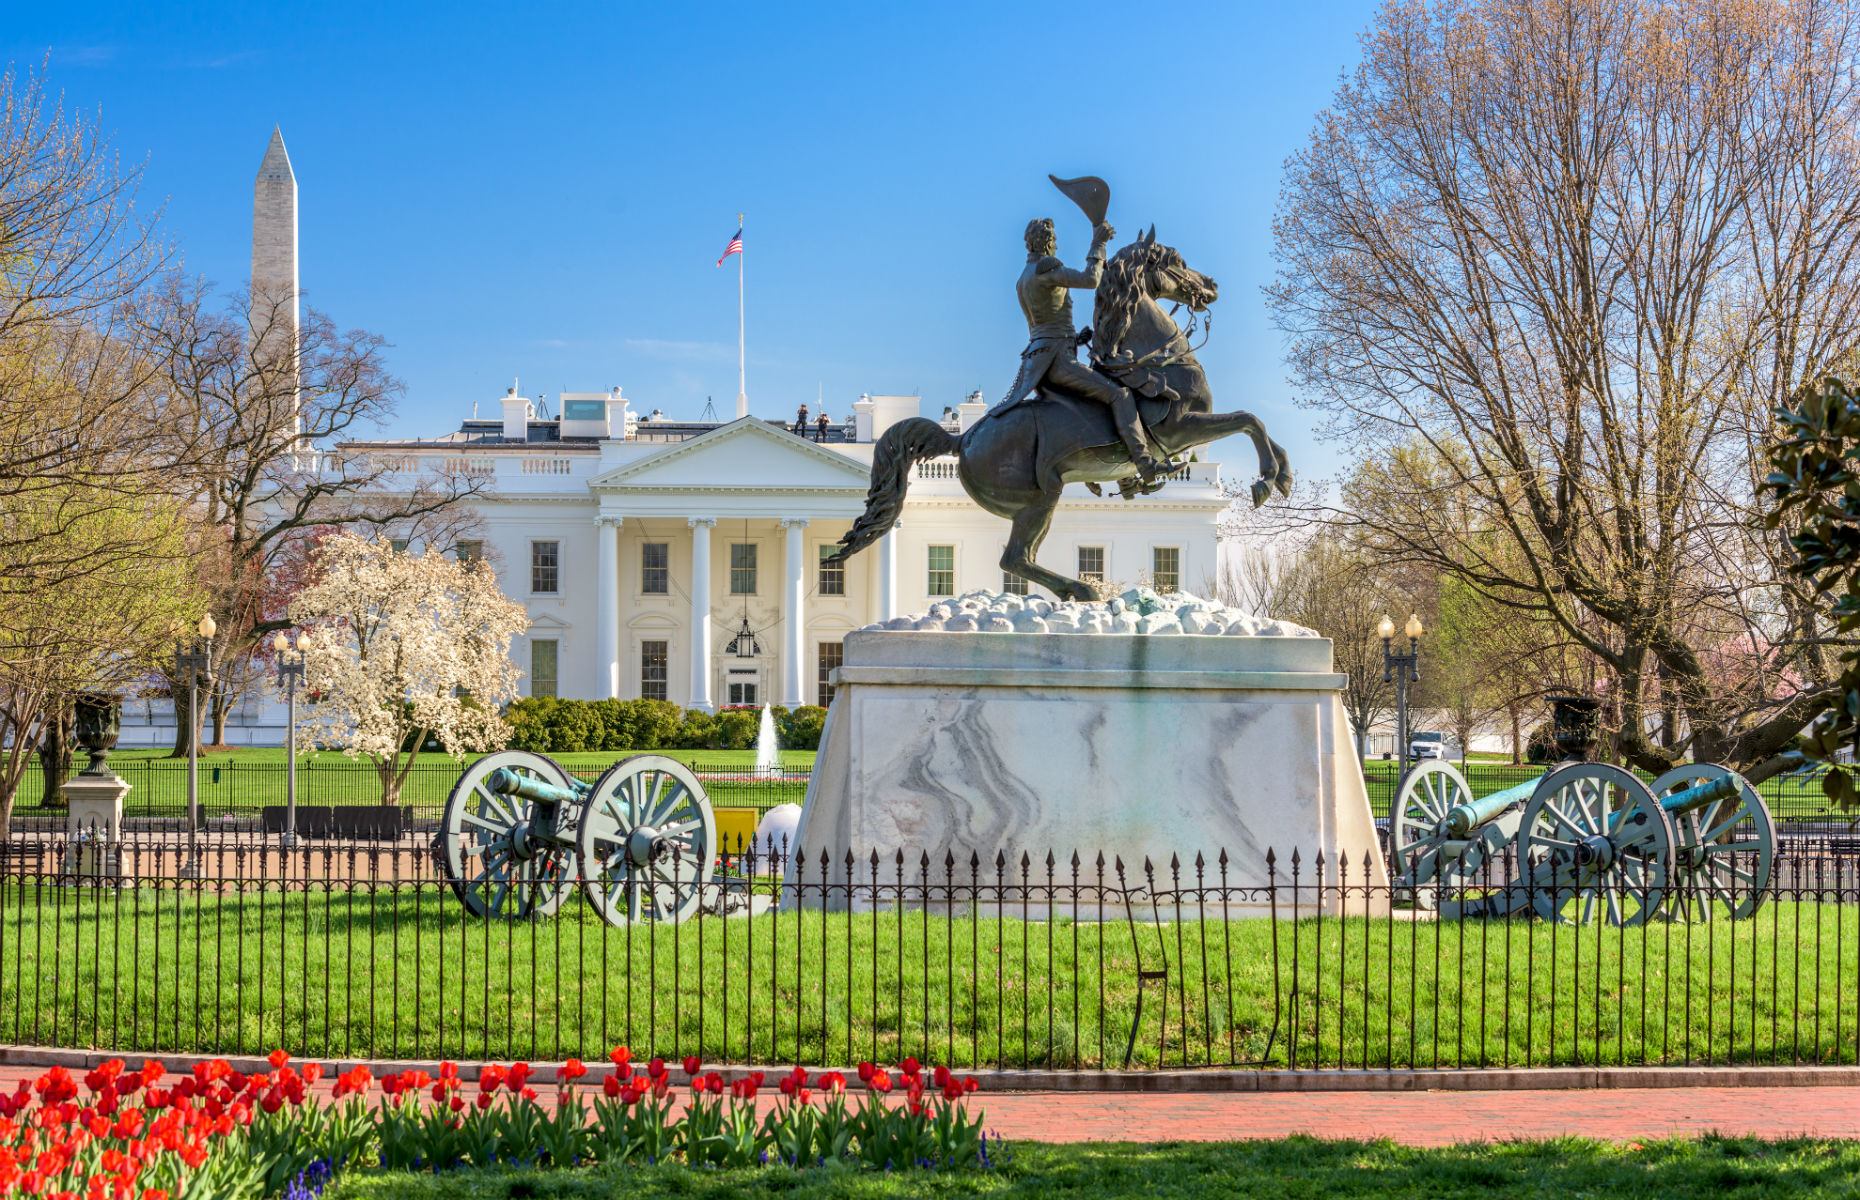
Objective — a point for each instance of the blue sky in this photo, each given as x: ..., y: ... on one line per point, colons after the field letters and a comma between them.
x: 542, y: 191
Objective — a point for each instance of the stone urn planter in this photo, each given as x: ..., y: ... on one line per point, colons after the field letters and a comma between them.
x: 99, y: 724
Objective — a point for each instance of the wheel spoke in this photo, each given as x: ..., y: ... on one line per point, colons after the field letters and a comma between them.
x: 495, y: 803
x: 473, y: 819
x: 1723, y: 828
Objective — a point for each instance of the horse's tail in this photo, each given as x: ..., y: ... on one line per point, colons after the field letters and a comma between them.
x: 905, y: 443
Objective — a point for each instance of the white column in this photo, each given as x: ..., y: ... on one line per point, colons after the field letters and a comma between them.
x: 700, y: 610
x: 794, y: 622
x: 607, y: 609
x: 888, y: 574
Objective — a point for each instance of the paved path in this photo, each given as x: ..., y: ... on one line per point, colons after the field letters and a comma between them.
x: 1412, y: 1118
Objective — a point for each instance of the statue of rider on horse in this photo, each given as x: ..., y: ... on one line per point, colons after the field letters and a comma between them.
x: 1065, y: 422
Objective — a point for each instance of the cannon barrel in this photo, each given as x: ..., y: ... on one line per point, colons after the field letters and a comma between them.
x: 509, y: 783
x: 1721, y: 788
x: 1462, y: 819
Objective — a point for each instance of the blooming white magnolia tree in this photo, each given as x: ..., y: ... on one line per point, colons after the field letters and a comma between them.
x: 404, y: 648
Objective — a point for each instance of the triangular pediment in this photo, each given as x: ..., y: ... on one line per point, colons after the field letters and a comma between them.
x: 745, y: 455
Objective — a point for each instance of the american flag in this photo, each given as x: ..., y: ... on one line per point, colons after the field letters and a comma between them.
x: 735, y: 246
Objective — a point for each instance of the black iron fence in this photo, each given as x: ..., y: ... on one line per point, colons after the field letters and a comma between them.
x: 364, y: 949
x: 1795, y: 797
x: 237, y: 793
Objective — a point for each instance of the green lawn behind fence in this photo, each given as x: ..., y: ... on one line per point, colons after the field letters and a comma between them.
x: 400, y: 972
x: 245, y: 780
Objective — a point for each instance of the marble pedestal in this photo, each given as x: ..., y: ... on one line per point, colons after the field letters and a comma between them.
x: 971, y: 745
x: 94, y: 824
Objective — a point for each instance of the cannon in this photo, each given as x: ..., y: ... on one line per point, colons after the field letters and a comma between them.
x: 1441, y: 838
x: 1589, y: 839
x: 1726, y: 850
x: 520, y: 833
x: 1443, y: 843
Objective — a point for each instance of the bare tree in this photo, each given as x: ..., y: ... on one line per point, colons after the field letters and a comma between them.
x: 1335, y: 590
x: 257, y: 402
x: 1553, y: 263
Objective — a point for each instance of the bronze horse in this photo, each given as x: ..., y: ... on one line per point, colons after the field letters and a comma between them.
x: 1016, y: 460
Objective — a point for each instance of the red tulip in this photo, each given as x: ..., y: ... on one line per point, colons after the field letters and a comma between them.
x: 277, y: 1058
x: 910, y: 1066
x: 656, y: 1068
x: 692, y: 1063
x: 572, y: 1069
x: 486, y: 1100
x: 940, y: 1076
x: 866, y: 1071
x: 611, y: 1085
x: 620, y: 1056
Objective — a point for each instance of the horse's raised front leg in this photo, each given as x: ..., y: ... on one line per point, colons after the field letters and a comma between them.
x: 1274, y: 469
x: 1029, y: 530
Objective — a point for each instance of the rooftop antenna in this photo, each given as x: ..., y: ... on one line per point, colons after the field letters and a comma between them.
x: 710, y: 411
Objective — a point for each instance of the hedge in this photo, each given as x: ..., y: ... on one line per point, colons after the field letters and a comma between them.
x: 553, y: 726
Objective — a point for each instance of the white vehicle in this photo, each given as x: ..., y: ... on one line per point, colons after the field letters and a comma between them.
x: 1426, y: 743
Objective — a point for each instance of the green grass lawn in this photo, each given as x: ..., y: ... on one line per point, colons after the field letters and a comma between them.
x: 1285, y: 1169
x: 246, y: 779
x: 397, y: 971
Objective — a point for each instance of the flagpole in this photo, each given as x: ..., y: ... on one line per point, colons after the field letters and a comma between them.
x: 742, y: 392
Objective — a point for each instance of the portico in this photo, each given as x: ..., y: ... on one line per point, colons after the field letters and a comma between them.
x: 728, y: 527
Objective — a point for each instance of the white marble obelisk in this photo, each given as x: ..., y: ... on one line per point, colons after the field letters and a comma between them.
x: 274, y: 230
x: 275, y: 314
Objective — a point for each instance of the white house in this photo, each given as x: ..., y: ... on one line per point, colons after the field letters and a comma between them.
x: 685, y: 561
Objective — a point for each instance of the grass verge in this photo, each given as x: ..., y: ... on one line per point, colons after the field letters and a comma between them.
x: 1290, y: 1168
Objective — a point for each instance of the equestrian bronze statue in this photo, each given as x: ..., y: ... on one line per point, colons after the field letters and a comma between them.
x: 1064, y: 423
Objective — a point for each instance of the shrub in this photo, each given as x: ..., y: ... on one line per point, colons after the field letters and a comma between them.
x: 801, y: 728
x: 738, y: 728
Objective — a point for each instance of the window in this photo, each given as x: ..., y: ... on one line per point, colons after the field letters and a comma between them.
x: 1013, y: 585
x: 832, y: 574
x: 542, y: 667
x: 1091, y: 564
x: 545, y: 568
x: 831, y: 655
x: 399, y: 545
x: 470, y: 552
x: 652, y: 658
x: 741, y: 689
x: 655, y: 568
x: 942, y: 580
x: 584, y: 410
x: 1165, y: 568
x: 742, y: 568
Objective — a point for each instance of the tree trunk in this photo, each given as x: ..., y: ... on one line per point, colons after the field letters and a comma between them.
x: 220, y: 705
x: 388, y: 771
x: 1517, y: 746
x: 55, y: 755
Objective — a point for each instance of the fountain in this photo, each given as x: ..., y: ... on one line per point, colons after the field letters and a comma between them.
x: 768, y: 747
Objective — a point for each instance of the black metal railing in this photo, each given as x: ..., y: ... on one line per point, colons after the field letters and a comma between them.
x: 363, y: 949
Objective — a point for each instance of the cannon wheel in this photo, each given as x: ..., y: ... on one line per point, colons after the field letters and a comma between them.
x: 1417, y: 856
x: 647, y: 841
x: 1726, y: 850
x: 1594, y: 839
x: 490, y: 862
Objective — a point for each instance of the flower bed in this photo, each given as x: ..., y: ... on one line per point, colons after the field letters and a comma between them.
x: 219, y: 1134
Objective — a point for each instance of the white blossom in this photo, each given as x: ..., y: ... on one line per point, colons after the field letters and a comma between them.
x: 403, y: 647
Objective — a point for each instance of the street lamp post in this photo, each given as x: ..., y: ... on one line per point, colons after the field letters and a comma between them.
x: 290, y: 670
x: 196, y: 663
x: 1403, y: 669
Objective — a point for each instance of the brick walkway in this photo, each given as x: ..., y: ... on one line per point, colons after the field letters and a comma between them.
x: 1413, y: 1118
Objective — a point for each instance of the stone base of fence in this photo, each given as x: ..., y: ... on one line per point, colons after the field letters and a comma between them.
x: 1483, y: 1079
